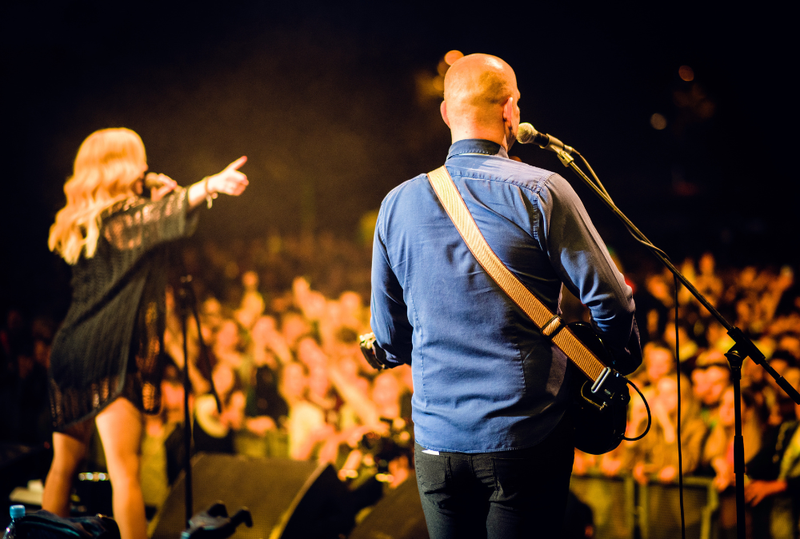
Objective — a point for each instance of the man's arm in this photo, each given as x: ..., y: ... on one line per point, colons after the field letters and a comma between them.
x: 583, y: 263
x: 389, y: 319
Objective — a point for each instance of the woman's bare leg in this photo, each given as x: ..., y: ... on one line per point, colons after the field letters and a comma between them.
x: 69, y: 449
x: 120, y: 429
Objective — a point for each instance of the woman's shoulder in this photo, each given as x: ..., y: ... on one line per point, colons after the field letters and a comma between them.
x: 122, y: 206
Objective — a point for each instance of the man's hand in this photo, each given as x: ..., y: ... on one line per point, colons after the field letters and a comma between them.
x: 755, y: 492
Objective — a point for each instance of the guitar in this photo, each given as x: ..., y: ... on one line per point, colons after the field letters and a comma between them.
x: 599, y: 404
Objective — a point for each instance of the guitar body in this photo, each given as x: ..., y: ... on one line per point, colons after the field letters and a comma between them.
x: 600, y: 418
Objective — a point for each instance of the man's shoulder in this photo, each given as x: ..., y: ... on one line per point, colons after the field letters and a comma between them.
x: 489, y: 173
x: 408, y: 189
x: 491, y: 169
x: 411, y: 184
x: 509, y: 174
x: 498, y: 170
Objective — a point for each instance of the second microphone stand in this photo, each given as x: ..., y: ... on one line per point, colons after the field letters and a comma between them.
x: 213, y: 523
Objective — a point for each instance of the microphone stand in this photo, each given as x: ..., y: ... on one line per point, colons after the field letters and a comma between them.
x: 742, y: 348
x: 187, y: 301
x: 214, y: 522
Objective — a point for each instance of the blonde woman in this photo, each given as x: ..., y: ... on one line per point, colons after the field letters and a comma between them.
x: 107, y: 359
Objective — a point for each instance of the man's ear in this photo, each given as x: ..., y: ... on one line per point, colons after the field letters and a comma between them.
x: 509, y: 115
x: 508, y: 109
x: 443, y: 110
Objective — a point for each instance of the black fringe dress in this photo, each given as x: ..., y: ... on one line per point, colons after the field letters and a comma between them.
x: 111, y: 342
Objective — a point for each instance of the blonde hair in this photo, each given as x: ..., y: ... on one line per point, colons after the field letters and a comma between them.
x: 108, y: 164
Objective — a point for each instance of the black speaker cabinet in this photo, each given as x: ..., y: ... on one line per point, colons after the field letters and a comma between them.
x: 287, y: 499
x: 398, y: 515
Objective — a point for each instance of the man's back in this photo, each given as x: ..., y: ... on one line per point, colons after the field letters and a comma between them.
x: 485, y: 379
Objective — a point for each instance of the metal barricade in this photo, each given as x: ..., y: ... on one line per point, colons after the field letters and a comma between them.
x: 621, y: 507
x: 613, y: 504
x: 658, y: 508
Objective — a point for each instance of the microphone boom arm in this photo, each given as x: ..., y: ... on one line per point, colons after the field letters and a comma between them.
x: 743, y: 347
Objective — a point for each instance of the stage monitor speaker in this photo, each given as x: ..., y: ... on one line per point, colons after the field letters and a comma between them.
x: 398, y: 515
x: 287, y: 499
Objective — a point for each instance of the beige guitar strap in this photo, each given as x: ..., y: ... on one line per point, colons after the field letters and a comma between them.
x: 551, y: 325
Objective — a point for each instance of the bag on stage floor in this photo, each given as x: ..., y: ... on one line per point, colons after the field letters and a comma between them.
x: 46, y: 525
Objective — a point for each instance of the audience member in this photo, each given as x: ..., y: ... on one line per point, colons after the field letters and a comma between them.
x: 656, y: 454
x: 214, y: 431
x: 710, y: 377
x: 774, y: 487
x: 718, y: 452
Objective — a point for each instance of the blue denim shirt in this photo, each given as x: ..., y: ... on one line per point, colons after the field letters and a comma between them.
x: 485, y: 379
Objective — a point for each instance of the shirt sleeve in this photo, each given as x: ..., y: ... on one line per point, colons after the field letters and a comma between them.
x: 389, y: 313
x: 581, y: 259
x: 142, y: 224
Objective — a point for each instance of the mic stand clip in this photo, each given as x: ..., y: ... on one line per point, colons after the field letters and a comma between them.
x: 215, y: 524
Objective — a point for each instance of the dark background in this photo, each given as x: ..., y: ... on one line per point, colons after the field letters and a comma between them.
x: 331, y: 103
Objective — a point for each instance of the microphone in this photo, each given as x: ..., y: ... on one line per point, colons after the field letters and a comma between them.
x: 527, y: 134
x: 152, y: 181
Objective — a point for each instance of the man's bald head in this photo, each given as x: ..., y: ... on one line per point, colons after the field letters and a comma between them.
x: 477, y: 89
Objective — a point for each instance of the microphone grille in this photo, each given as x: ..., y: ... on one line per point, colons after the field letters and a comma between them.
x: 526, y: 133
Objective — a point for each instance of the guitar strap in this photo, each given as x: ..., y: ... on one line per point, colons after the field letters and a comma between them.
x: 551, y: 324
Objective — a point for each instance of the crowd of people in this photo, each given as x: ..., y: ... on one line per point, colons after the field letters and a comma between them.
x: 764, y: 304
x: 280, y: 319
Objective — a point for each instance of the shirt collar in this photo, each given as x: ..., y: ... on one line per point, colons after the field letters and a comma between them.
x: 479, y: 146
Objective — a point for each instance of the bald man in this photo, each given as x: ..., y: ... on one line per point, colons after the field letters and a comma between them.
x: 494, y: 440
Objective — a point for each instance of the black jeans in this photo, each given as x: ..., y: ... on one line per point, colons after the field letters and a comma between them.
x: 507, y: 494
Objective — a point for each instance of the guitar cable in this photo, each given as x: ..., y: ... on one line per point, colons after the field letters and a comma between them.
x: 678, y: 426
x: 596, y: 185
x: 601, y: 192
x: 638, y: 236
x: 649, y: 415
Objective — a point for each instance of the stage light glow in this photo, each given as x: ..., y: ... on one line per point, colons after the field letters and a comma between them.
x: 658, y: 122
x: 686, y: 73
x: 452, y: 56
x: 429, y: 86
